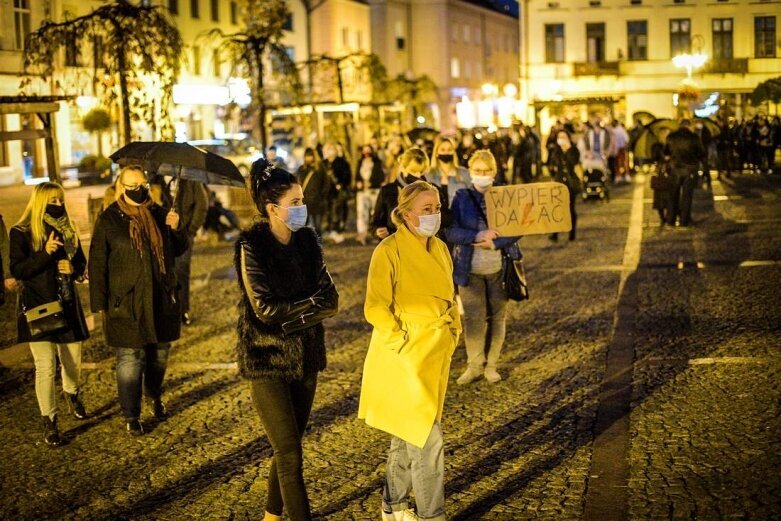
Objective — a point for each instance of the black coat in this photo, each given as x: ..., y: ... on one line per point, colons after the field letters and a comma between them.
x: 316, y: 187
x: 37, y: 271
x: 684, y: 148
x: 377, y: 176
x: 141, y: 306
x: 282, y: 285
x: 388, y: 199
x: 562, y: 167
x: 339, y: 172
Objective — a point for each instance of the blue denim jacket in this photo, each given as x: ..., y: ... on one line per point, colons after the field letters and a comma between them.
x: 467, y: 221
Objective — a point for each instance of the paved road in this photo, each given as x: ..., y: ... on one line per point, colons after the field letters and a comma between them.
x: 698, y: 316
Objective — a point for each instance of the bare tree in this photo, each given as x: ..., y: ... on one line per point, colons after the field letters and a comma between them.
x: 135, y: 43
x: 251, y: 50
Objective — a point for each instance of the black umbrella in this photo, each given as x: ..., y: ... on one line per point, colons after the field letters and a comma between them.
x: 657, y: 125
x: 643, y: 117
x: 180, y: 160
x: 424, y: 133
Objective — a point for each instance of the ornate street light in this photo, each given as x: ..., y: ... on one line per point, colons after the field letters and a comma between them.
x: 690, y: 62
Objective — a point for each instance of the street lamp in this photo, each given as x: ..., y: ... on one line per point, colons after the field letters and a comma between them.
x: 490, y: 89
x: 690, y: 62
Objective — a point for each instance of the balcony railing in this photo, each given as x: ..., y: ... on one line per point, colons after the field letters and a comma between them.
x: 726, y: 65
x: 595, y: 69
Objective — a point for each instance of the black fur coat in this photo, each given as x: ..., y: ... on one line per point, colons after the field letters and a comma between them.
x: 276, y: 283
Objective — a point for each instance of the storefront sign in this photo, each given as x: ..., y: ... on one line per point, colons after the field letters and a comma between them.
x: 528, y: 209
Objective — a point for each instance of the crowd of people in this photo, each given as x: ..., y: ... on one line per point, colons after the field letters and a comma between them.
x: 425, y: 205
x: 435, y: 243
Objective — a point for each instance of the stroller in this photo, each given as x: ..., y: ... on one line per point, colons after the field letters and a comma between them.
x: 595, y: 184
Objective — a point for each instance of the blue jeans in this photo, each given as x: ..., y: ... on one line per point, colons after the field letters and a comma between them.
x: 139, y: 368
x: 422, y: 470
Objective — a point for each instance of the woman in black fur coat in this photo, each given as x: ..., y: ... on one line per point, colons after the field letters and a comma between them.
x: 286, y: 294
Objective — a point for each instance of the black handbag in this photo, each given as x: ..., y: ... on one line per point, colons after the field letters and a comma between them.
x: 45, y: 320
x: 514, y: 279
x: 660, y: 183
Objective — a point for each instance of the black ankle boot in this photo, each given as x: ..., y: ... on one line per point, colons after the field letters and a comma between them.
x: 135, y: 427
x: 51, y: 435
x: 158, y: 408
x: 75, y: 406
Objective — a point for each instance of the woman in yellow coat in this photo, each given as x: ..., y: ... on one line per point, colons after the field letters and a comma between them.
x: 410, y: 301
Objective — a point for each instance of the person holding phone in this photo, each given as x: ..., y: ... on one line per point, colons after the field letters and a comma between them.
x: 46, y: 259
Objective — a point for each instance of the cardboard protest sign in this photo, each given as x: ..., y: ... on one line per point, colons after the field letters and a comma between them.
x: 529, y: 209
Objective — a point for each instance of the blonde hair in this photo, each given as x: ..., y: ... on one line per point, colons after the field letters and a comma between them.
x: 407, y: 196
x: 131, y: 166
x: 32, y: 217
x: 485, y: 156
x: 412, y: 155
x: 434, y: 153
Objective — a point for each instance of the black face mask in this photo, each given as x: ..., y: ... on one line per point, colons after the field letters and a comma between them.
x: 409, y: 178
x: 445, y: 158
x: 55, y: 210
x: 139, y: 195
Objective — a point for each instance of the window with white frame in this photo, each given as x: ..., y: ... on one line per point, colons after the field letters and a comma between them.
x: 21, y: 22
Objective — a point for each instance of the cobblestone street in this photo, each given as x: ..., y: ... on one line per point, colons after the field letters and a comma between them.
x: 689, y: 320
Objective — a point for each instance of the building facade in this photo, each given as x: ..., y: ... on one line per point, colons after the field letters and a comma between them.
x: 20, y: 159
x: 207, y: 97
x: 617, y: 55
x: 461, y: 45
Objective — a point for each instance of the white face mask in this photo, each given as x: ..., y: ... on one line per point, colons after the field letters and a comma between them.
x: 482, y: 182
x: 429, y: 224
x: 562, y: 141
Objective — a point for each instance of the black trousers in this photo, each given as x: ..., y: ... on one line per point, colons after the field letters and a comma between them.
x: 573, y: 197
x: 337, y: 216
x: 284, y: 409
x: 183, y: 262
x: 679, y: 203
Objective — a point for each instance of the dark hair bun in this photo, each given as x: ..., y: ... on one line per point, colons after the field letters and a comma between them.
x: 268, y: 183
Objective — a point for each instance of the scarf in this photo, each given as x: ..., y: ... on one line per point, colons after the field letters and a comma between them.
x: 64, y: 228
x: 143, y: 227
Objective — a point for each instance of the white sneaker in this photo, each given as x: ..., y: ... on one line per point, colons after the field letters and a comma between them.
x: 492, y: 375
x: 468, y: 376
x: 402, y: 515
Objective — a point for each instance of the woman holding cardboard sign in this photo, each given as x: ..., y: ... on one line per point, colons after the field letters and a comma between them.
x: 478, y: 264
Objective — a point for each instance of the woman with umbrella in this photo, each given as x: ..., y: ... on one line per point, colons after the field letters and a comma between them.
x: 133, y: 283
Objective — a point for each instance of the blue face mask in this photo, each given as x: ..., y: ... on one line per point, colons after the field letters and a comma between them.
x: 296, y: 217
